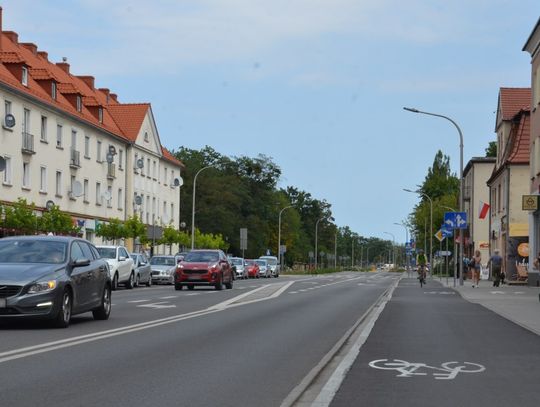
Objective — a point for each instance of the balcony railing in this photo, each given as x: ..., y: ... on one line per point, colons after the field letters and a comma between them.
x: 75, y: 159
x: 28, y: 143
x: 111, y: 171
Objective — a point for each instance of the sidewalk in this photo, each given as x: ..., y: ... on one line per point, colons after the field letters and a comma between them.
x: 519, y: 304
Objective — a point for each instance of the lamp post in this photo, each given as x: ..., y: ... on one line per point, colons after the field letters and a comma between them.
x: 460, y: 257
x: 193, y: 207
x: 393, y: 247
x: 316, y: 237
x: 279, y: 233
x: 406, y: 240
x: 430, y: 226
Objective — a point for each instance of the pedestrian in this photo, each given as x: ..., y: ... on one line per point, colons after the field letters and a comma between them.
x: 476, y: 263
x: 496, y: 263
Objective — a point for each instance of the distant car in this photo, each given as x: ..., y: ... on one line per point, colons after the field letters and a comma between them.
x: 273, y: 263
x: 143, y: 270
x: 252, y: 268
x: 120, y: 265
x: 163, y: 269
x: 239, y: 266
x: 180, y: 256
x: 52, y: 277
x: 264, y: 268
x: 204, y: 267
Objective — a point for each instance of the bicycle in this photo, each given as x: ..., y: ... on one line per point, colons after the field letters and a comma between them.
x: 422, y: 274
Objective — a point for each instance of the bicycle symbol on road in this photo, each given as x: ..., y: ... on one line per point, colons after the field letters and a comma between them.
x: 447, y: 371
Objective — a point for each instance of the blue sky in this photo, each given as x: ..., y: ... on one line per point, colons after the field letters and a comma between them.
x: 318, y: 85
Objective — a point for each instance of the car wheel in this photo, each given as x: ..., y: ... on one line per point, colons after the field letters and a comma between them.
x: 115, y: 282
x: 104, y: 310
x: 178, y: 287
x: 137, y: 280
x: 131, y: 281
x: 219, y: 284
x: 190, y: 287
x: 229, y: 285
x: 63, y: 317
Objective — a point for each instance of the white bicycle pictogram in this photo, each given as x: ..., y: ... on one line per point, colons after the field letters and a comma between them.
x: 409, y: 369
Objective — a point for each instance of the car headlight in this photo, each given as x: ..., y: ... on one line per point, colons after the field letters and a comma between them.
x: 42, y: 287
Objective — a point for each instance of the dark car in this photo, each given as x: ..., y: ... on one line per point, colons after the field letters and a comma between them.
x: 52, y: 277
x: 204, y: 267
x: 143, y: 271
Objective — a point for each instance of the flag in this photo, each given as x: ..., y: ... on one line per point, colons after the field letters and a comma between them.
x: 483, y: 210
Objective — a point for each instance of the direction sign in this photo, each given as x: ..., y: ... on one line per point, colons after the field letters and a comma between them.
x: 446, y: 232
x: 455, y: 220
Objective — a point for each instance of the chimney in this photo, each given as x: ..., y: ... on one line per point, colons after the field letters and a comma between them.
x: 106, y: 92
x: 114, y: 97
x: 43, y: 55
x: 64, y: 66
x: 30, y: 46
x: 89, y: 80
x: 12, y: 35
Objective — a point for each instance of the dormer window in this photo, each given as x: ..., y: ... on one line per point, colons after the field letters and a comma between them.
x: 146, y: 136
x: 53, y: 90
x: 79, y: 103
x: 100, y: 114
x: 24, y: 76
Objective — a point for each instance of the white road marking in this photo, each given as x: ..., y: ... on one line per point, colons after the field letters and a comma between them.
x: 157, y: 305
x: 168, y: 297
x: 137, y: 301
x: 409, y: 369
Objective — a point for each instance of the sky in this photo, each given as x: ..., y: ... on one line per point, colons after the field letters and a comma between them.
x: 318, y: 85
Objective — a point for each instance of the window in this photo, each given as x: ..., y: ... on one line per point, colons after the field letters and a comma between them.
x: 44, y: 128
x: 165, y: 176
x: 98, y: 152
x: 79, y: 103
x: 71, y: 185
x: 74, y: 139
x: 26, y: 121
x: 120, y: 198
x: 148, y: 209
x: 76, y: 252
x: 100, y: 114
x: 59, y: 183
x: 154, y: 169
x: 146, y: 138
x: 53, y: 90
x: 24, y: 77
x: 98, y: 193
x: 59, y: 130
x: 499, y: 198
x: 109, y: 195
x: 172, y: 212
x: 7, y: 171
x: 120, y: 159
x: 43, y: 179
x: 85, y: 190
x: 26, y: 175
x: 148, y: 167
x: 86, y: 147
x: 7, y: 107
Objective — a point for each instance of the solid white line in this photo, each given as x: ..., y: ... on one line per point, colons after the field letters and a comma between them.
x: 226, y: 303
x: 168, y: 297
x: 137, y: 301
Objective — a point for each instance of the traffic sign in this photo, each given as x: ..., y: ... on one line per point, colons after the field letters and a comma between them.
x: 455, y: 220
x: 446, y: 232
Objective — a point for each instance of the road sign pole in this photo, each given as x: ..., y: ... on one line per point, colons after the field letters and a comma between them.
x: 446, y: 263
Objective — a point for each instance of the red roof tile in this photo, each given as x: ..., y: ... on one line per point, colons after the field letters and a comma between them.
x: 167, y: 155
x: 519, y: 154
x: 512, y: 100
x: 10, y: 58
x: 129, y: 117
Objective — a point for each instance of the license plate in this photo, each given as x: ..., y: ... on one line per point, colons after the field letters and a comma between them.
x: 194, y: 277
x: 2, y: 303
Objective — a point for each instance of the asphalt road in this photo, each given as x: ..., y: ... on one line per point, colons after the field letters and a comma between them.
x: 404, y: 360
x: 249, y: 346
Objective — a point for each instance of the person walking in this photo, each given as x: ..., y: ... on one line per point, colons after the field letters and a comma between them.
x: 495, y: 261
x: 476, y: 267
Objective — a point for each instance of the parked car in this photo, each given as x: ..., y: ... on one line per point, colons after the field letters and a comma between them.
x: 204, y: 267
x: 264, y: 268
x: 239, y: 267
x: 163, y: 268
x: 252, y: 268
x: 120, y: 265
x: 180, y: 256
x: 143, y: 270
x: 273, y: 263
x: 52, y: 277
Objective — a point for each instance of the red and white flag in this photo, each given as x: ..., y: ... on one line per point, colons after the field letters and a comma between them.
x: 483, y: 210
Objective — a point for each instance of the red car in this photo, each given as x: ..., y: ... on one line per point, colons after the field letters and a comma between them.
x: 204, y: 267
x: 252, y: 269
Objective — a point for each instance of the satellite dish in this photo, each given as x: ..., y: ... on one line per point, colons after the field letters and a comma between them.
x: 178, y: 182
x: 76, y: 189
x: 49, y: 205
x: 9, y: 121
x: 109, y: 157
x: 165, y: 218
x: 106, y: 195
x: 138, y: 200
x: 140, y: 163
x: 112, y: 150
x: 2, y: 164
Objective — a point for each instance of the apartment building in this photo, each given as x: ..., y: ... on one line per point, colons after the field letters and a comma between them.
x: 67, y: 142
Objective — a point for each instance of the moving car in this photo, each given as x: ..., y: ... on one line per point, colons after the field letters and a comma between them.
x: 264, y: 268
x: 163, y: 268
x: 252, y: 269
x: 120, y: 265
x: 52, y: 277
x: 239, y: 267
x: 204, y: 267
x: 273, y: 263
x: 143, y: 271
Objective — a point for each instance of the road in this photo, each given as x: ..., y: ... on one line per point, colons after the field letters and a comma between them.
x: 249, y: 346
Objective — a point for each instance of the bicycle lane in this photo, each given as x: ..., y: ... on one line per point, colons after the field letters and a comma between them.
x: 409, y: 357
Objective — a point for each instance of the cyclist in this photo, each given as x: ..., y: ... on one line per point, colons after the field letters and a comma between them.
x: 421, y: 262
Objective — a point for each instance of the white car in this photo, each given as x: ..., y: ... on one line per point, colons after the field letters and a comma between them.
x: 273, y: 263
x: 121, y: 267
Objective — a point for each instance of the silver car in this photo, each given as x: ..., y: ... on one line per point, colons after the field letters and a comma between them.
x: 143, y: 271
x: 239, y: 266
x: 163, y: 269
x: 264, y: 268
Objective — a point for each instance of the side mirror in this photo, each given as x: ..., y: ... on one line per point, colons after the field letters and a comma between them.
x: 122, y: 258
x: 81, y: 262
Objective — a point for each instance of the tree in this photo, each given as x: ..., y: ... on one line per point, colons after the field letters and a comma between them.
x: 114, y: 230
x: 170, y: 236
x: 55, y: 221
x: 491, y: 150
x: 21, y: 217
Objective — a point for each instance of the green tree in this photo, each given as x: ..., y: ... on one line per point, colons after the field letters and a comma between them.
x: 58, y: 222
x: 491, y: 150
x: 113, y: 230
x: 21, y: 217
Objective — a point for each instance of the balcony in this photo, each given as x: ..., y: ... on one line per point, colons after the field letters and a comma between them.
x: 28, y: 143
x: 75, y: 159
x: 111, y: 171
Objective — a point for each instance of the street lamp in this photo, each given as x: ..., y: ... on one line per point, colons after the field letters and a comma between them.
x: 406, y: 240
x: 393, y: 247
x: 279, y: 233
x: 193, y: 207
x: 316, y: 236
x: 460, y: 257
x: 430, y: 225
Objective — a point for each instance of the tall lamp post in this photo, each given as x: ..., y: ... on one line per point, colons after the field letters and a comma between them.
x: 393, y: 247
x: 460, y: 258
x: 316, y: 238
x: 430, y: 225
x: 406, y: 240
x: 193, y: 207
x: 279, y: 234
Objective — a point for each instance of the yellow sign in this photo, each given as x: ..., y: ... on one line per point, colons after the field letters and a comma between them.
x: 439, y: 235
x: 519, y: 229
x: 529, y: 202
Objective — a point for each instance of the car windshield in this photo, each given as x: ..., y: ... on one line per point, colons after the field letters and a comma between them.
x: 261, y: 262
x: 107, y: 252
x: 237, y: 262
x: 250, y: 262
x: 201, y: 257
x: 162, y: 261
x: 134, y: 257
x: 32, y: 251
x: 272, y: 262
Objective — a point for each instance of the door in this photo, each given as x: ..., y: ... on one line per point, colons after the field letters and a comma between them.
x: 125, y: 265
x: 82, y: 279
x: 97, y: 274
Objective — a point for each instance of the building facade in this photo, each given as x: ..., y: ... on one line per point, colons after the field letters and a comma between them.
x: 66, y: 142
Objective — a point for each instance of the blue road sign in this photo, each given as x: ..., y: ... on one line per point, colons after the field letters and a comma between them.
x: 446, y: 231
x: 455, y: 220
